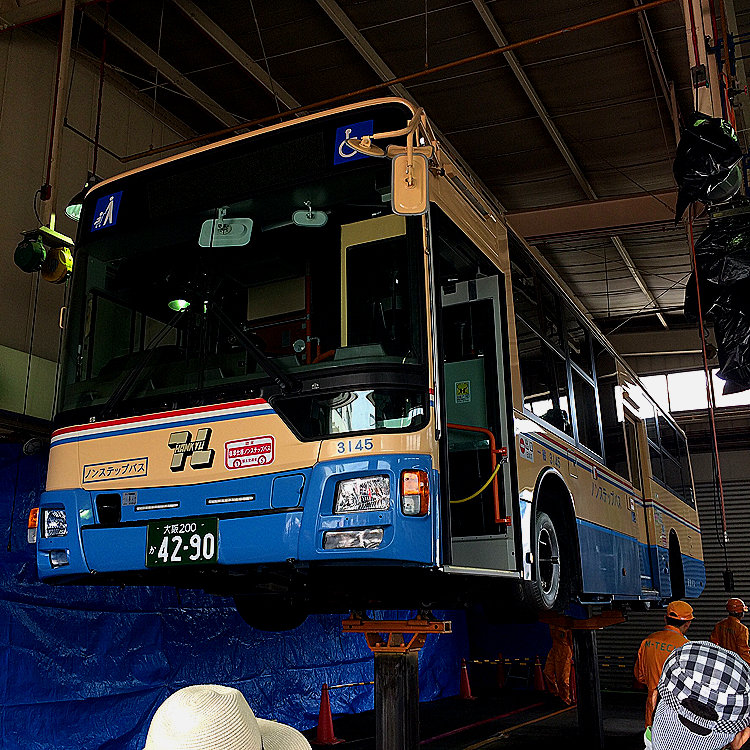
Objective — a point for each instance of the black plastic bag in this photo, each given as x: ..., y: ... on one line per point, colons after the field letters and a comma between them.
x: 722, y: 255
x: 707, y: 164
x: 732, y: 327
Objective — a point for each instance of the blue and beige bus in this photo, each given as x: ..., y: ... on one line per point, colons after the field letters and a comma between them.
x: 312, y: 368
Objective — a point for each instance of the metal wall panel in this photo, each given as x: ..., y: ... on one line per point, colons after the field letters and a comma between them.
x: 618, y: 646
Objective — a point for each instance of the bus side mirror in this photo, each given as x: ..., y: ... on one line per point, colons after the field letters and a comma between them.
x: 409, y: 184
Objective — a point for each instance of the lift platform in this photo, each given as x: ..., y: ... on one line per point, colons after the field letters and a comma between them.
x: 395, y: 645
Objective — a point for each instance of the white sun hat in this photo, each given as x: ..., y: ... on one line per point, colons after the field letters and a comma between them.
x: 214, y: 717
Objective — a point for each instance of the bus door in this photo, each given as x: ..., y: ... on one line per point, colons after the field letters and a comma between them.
x: 636, y: 478
x: 479, y: 479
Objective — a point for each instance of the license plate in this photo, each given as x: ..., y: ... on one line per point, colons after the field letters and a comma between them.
x: 189, y: 541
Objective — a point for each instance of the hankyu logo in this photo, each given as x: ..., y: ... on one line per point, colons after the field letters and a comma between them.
x: 105, y: 212
x: 201, y: 457
x: 255, y: 451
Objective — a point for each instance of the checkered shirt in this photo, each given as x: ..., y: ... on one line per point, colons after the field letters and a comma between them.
x: 711, y: 675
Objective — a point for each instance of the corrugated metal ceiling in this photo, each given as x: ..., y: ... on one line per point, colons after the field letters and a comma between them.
x: 598, y: 85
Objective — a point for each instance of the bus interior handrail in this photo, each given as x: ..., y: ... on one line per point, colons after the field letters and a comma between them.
x: 494, y: 452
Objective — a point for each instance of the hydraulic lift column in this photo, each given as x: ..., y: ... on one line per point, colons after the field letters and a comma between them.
x: 588, y: 686
x: 396, y: 674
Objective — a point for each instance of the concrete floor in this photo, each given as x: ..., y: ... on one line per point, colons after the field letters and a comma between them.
x: 507, y: 720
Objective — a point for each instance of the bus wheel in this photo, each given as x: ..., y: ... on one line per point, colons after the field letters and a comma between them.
x: 270, y: 615
x: 549, y: 589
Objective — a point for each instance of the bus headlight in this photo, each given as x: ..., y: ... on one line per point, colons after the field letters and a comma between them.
x: 54, y: 522
x: 353, y: 539
x: 363, y: 493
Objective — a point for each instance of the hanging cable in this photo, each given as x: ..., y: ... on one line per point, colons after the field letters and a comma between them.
x: 709, y: 393
x: 105, y: 29
x: 265, y: 58
x: 156, y: 73
x: 25, y: 402
x: 63, y: 313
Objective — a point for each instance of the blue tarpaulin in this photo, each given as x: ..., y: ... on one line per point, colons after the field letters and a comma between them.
x: 86, y: 667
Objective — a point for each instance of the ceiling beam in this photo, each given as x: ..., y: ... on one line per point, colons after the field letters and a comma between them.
x: 213, y: 30
x: 29, y: 13
x: 661, y: 76
x: 494, y: 28
x: 636, y: 274
x: 117, y: 31
x: 510, y: 57
x: 351, y: 32
x: 608, y: 215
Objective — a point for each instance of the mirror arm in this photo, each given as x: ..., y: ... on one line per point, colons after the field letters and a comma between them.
x: 410, y: 128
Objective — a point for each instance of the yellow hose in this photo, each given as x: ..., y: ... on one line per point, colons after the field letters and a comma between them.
x: 481, y: 489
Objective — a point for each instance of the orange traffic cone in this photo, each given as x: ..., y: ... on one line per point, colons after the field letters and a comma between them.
x: 538, y: 676
x: 573, y: 685
x: 324, y: 734
x: 500, y: 671
x: 464, y: 690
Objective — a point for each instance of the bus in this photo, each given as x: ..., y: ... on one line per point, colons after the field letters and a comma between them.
x: 312, y: 368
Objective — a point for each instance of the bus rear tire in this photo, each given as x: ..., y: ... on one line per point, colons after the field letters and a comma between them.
x: 273, y: 616
x: 551, y: 587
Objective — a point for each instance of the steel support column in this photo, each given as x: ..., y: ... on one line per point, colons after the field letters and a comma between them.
x: 588, y: 687
x: 397, y: 701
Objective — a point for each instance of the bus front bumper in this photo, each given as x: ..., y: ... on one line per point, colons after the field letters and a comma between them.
x: 257, y: 523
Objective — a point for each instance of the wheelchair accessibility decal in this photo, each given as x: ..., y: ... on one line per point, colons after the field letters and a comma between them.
x: 345, y: 152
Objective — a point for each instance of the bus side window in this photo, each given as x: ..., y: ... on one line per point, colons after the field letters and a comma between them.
x: 612, y: 416
x: 654, y: 451
x: 687, y: 481
x: 544, y: 379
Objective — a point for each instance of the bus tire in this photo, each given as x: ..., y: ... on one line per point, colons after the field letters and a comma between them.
x: 550, y: 589
x: 273, y: 616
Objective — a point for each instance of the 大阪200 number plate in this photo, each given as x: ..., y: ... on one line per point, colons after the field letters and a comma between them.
x: 189, y: 541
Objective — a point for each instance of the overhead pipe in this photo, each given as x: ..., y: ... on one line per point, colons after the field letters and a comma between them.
x: 49, y: 189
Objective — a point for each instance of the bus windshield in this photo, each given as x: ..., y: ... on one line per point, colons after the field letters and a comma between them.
x: 196, y: 279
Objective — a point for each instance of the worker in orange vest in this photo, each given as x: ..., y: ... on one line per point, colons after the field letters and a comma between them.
x: 557, y: 667
x: 657, y: 647
x: 730, y: 633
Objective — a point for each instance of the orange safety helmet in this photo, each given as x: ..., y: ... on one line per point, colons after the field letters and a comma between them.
x: 680, y: 611
x: 735, y: 606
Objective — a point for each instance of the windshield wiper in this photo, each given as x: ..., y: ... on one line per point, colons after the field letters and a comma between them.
x: 285, y: 381
x: 131, y: 378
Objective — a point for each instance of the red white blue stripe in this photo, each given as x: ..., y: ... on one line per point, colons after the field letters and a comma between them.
x: 163, y: 420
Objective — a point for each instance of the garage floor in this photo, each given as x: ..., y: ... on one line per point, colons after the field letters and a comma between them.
x: 507, y: 720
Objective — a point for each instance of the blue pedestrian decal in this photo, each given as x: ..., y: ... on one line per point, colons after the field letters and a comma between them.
x: 105, y: 213
x: 345, y: 152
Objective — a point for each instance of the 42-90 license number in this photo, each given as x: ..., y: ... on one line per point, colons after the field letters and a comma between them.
x: 189, y: 541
